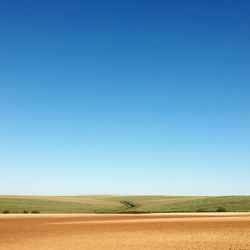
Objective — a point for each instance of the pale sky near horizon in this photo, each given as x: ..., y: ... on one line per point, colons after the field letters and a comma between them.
x: 125, y: 97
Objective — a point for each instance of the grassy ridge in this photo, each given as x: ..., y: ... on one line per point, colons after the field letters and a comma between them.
x: 122, y: 204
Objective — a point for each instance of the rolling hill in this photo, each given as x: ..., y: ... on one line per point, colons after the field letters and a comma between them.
x: 122, y: 204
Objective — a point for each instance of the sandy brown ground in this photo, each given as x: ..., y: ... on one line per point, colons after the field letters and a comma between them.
x: 147, y: 231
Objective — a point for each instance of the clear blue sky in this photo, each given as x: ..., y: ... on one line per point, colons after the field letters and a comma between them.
x: 125, y: 97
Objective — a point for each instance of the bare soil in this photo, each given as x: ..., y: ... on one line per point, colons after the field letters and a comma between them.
x: 229, y: 231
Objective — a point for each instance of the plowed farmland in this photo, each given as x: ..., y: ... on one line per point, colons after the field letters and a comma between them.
x: 125, y: 231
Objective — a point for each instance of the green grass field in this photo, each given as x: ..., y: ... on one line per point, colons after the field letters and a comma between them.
x: 122, y: 204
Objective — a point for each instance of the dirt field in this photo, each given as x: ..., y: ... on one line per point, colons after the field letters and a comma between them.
x: 147, y: 231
